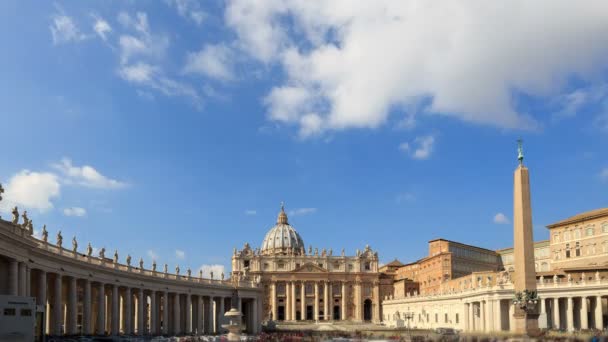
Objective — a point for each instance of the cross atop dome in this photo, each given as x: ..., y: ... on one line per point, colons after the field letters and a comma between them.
x: 282, y: 218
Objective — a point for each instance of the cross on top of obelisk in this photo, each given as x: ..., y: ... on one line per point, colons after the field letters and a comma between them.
x: 520, y: 151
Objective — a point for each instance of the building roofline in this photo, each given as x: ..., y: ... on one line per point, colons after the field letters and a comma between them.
x: 582, y: 217
x: 462, y: 244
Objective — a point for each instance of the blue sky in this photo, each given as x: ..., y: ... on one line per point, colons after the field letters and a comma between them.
x: 173, y: 129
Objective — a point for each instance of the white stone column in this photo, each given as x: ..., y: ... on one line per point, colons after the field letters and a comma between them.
x: 326, y: 301
x: 343, y: 302
x: 209, y: 316
x: 273, y: 300
x: 28, y: 281
x: 583, y: 314
x: 358, y: 302
x: 466, y: 316
x: 488, y: 309
x: 472, y: 320
x: 115, y: 310
x: 127, y: 311
x: 153, y: 313
x: 376, y: 303
x: 293, y: 301
x: 140, y: 311
x: 497, y: 315
x: 556, y: 323
x: 199, y: 315
x: 188, y: 313
x: 57, y: 304
x: 22, y: 279
x: 176, y: 315
x: 303, y: 301
x: 254, y: 316
x: 599, y: 324
x: 221, y: 312
x: 316, y: 306
x: 13, y: 277
x: 165, y: 313
x: 41, y: 296
x: 511, y: 318
x: 72, y: 306
x: 287, y: 301
x: 570, y: 314
x: 101, y: 310
x: 86, y: 308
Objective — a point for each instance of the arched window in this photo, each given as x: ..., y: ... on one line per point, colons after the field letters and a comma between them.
x: 605, y: 227
x: 589, y: 231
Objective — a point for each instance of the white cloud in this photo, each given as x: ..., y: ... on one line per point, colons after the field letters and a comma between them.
x: 215, y: 268
x: 31, y: 190
x: 405, y: 197
x: 74, y: 211
x: 64, y: 30
x: 604, y: 174
x: 214, y: 61
x: 101, y: 27
x: 86, y: 176
x: 251, y: 212
x: 421, y: 148
x: 356, y: 62
x: 152, y: 255
x: 142, y: 43
x: 500, y: 218
x: 302, y: 211
x: 181, y: 255
x: 189, y: 9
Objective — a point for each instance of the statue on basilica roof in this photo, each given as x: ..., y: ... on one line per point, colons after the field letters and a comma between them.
x: 89, y: 249
x: 74, y: 244
x: 59, y: 239
x: 25, y: 219
x: 45, y: 234
x: 15, y: 213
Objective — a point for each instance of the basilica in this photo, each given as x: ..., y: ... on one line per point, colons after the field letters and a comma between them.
x: 310, y: 285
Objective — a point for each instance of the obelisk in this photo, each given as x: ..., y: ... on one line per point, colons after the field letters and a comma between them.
x: 526, y: 321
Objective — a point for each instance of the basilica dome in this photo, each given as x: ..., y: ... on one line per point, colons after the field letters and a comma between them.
x: 282, y: 238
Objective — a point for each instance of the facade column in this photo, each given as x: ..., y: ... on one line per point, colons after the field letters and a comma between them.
x: 293, y: 301
x: 153, y: 313
x: 57, y: 304
x: 209, y: 316
x: 583, y: 314
x: 101, y: 310
x: 570, y: 315
x: 254, y: 316
x: 287, y: 301
x: 511, y: 318
x: 326, y: 306
x: 466, y: 316
x: 358, y: 301
x: 86, y: 308
x: 72, y: 306
x: 599, y: 324
x: 472, y: 326
x: 41, y: 297
x: 188, y: 313
x: 199, y: 315
x: 302, y: 301
x: 273, y: 300
x: 343, y: 301
x: 376, y: 307
x: 140, y: 311
x: 176, y: 315
x: 316, y: 306
x: 482, y: 316
x: 28, y: 281
x: 220, y: 315
x: 497, y: 315
x: 13, y: 278
x: 115, y: 309
x: 166, y: 313
x: 22, y: 278
x: 127, y: 311
x: 555, y: 309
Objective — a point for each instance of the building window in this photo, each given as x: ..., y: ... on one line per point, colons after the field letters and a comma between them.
x: 457, y: 319
x: 589, y: 231
x: 446, y: 318
x: 297, y: 265
x: 577, y: 233
x: 556, y: 237
x: 605, y: 246
x: 246, y: 263
x: 436, y: 318
x: 9, y: 312
x: 578, y: 249
x: 350, y: 267
x: 567, y: 250
x: 281, y: 266
x: 321, y: 265
x: 265, y: 266
x: 26, y: 312
x: 368, y: 266
x: 567, y: 236
x: 605, y: 227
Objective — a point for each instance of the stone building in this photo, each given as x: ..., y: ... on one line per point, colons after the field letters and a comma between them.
x: 311, y: 285
x: 77, y: 292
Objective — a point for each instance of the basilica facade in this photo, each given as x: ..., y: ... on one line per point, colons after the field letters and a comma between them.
x: 310, y: 285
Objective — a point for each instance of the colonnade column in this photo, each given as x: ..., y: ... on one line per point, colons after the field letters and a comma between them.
x: 273, y: 300
x: 115, y: 310
x: 140, y: 311
x: 302, y: 301
x: 165, y: 313
x: 316, y: 306
x: 209, y: 316
x: 466, y: 317
x: 293, y: 301
x: 497, y: 315
x: 57, y: 316
x: 570, y: 314
x: 199, y: 315
x: 599, y: 324
x: 72, y: 306
x: 101, y: 310
x: 176, y: 315
x: 41, y: 297
x: 287, y: 311
x: 326, y: 301
x: 343, y: 302
x: 471, y: 315
x: 220, y: 315
x: 127, y: 311
x: 153, y: 314
x: 22, y: 279
x: 28, y: 281
x: 583, y: 314
x: 188, y: 313
x: 13, y: 278
x: 555, y: 309
x: 86, y: 309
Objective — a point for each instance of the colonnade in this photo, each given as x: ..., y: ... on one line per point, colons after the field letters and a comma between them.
x: 574, y: 312
x: 323, y: 300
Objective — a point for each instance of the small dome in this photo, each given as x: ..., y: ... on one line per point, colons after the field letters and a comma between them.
x: 282, y: 238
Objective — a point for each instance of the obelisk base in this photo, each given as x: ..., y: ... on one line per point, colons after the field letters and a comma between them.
x: 526, y: 323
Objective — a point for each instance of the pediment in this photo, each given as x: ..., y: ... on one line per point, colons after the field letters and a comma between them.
x: 310, y: 268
